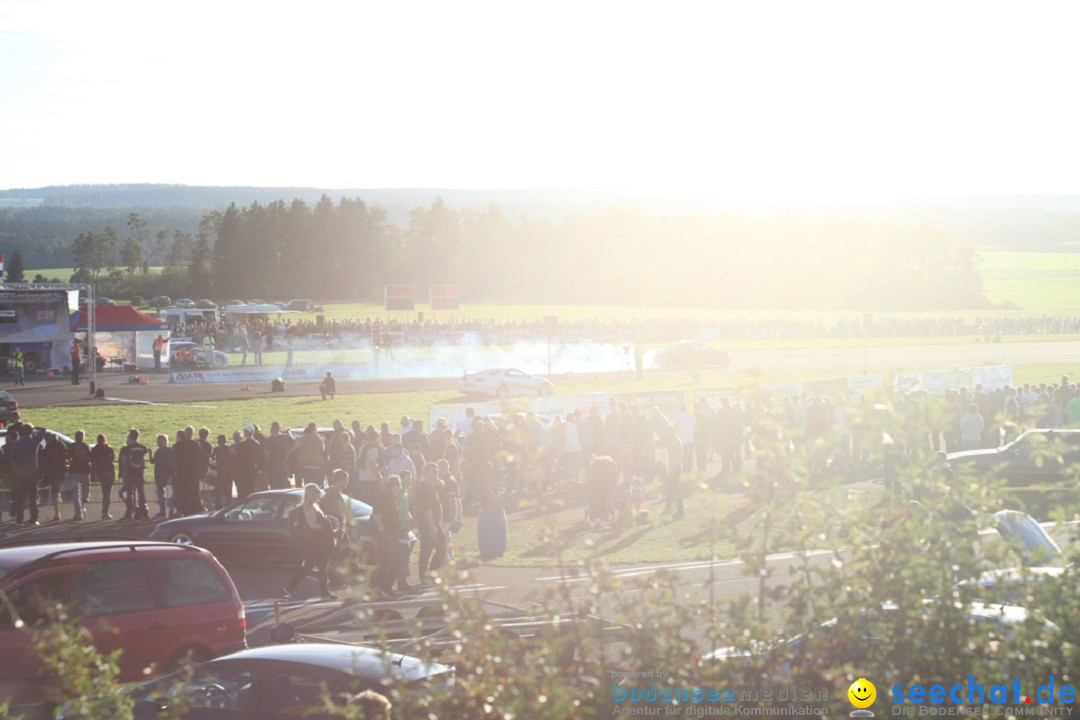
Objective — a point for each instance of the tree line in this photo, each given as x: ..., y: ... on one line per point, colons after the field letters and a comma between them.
x: 349, y: 250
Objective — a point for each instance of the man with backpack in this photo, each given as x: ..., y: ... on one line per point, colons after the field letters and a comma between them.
x: 132, y: 460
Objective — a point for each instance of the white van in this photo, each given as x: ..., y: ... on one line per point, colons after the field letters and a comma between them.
x: 186, y: 316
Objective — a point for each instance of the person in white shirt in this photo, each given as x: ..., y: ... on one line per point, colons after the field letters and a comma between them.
x: 399, y: 461
x: 685, y: 424
x: 971, y: 428
x: 465, y: 425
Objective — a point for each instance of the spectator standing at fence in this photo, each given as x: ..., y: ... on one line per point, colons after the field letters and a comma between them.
x: 311, y: 456
x: 189, y: 470
x: 248, y: 459
x: 278, y: 446
x: 164, y: 461
x: 1072, y: 410
x: 53, y: 462
x: 79, y: 466
x: 971, y: 428
x: 729, y: 436
x: 257, y: 344
x: 450, y: 496
x: 703, y: 434
x: 102, y: 462
x: 207, y: 452
x: 673, y: 480
x: 133, y: 458
x: 6, y: 466
x: 465, y: 425
x: 24, y: 459
x: 415, y: 437
x: 428, y: 516
x: 243, y: 342
x: 76, y: 361
x: 685, y: 425
x: 389, y: 532
x: 224, y: 466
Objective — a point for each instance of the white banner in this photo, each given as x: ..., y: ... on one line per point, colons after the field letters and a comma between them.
x: 245, y: 374
x: 992, y: 377
x: 860, y: 385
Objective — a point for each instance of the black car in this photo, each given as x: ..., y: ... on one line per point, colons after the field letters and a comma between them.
x: 280, y: 681
x: 9, y: 408
x: 256, y: 529
x: 160, y: 301
x: 686, y: 354
x: 1038, y: 458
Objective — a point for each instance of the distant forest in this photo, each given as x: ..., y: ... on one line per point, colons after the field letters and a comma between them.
x: 348, y: 250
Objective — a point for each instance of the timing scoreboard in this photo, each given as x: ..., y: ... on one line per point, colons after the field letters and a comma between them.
x: 444, y: 297
x: 399, y: 297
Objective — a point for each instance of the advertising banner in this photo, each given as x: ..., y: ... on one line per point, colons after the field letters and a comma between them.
x: 860, y: 385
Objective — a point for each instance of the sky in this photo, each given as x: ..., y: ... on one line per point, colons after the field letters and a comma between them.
x: 758, y: 100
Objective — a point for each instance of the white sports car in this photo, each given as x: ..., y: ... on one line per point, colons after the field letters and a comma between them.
x: 504, y: 383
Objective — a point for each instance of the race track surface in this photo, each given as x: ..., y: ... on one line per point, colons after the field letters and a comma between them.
x: 40, y: 392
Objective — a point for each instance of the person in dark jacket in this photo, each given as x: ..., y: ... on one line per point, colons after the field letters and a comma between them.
x: 315, y: 531
x: 164, y: 462
x: 224, y: 464
x: 24, y: 459
x: 328, y: 387
x: 79, y: 465
x: 102, y: 463
x: 386, y: 515
x: 52, y: 461
x: 6, y: 467
x: 249, y: 456
x: 132, y: 460
x: 190, y: 468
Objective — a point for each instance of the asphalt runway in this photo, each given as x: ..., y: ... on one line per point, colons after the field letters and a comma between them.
x: 41, y: 392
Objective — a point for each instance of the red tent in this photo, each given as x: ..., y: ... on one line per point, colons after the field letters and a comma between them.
x: 117, y: 318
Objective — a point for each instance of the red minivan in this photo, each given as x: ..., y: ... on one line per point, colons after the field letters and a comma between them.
x: 160, y: 603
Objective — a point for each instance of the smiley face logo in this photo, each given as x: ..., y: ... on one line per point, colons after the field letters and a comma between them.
x: 862, y: 693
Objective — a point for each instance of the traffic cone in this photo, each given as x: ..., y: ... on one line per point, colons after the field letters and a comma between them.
x: 48, y: 373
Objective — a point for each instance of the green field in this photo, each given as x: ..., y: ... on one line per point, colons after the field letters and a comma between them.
x: 1035, y: 282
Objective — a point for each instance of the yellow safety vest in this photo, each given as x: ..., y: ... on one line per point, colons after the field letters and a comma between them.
x: 17, y: 360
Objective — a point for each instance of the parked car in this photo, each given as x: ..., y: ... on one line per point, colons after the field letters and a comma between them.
x: 159, y: 603
x: 206, y: 304
x: 160, y: 301
x: 237, y: 302
x: 302, y: 306
x: 205, y: 357
x: 256, y: 301
x: 63, y: 438
x: 1041, y: 457
x: 280, y: 681
x: 100, y: 300
x: 255, y: 529
x: 1040, y: 557
x: 686, y: 354
x: 9, y: 408
x: 185, y: 303
x: 504, y: 383
x: 856, y: 635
